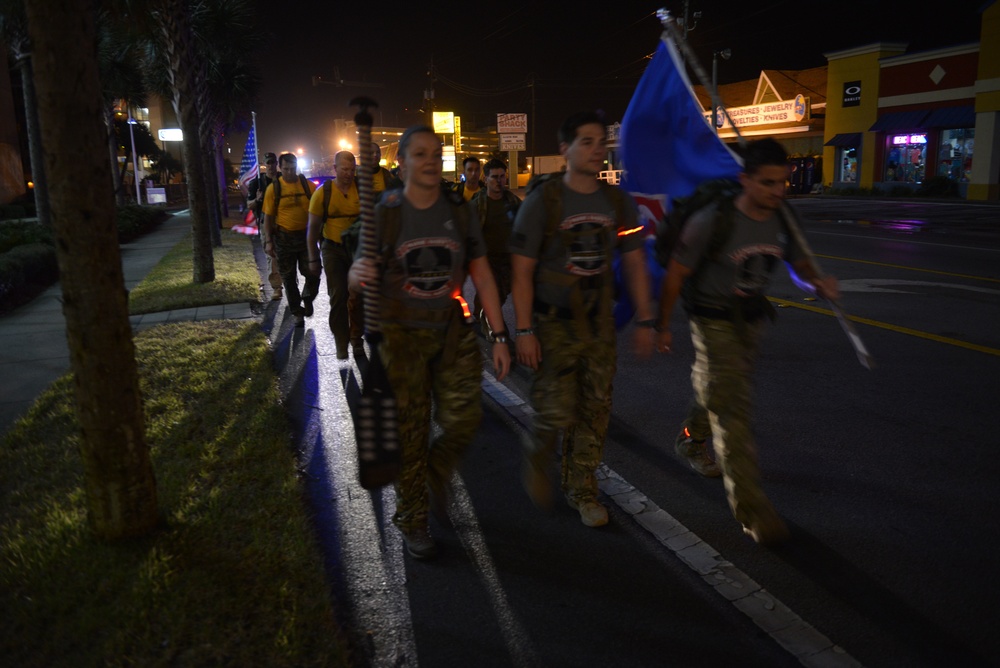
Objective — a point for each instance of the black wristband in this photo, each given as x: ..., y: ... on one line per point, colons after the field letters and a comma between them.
x: 651, y: 323
x: 528, y: 331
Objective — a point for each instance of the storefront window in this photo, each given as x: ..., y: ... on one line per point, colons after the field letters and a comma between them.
x: 848, y: 165
x: 906, y: 156
x: 955, y: 156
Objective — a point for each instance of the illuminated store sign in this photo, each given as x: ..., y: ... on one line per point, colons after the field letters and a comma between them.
x: 909, y: 139
x: 785, y: 111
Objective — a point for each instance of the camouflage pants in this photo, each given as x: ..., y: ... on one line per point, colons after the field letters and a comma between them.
x: 571, y: 393
x: 725, y: 356
x: 418, y: 373
x: 293, y: 259
x: 356, y: 315
x: 273, y: 275
x: 336, y: 264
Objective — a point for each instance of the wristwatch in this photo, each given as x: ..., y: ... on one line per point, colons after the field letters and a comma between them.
x: 499, y: 337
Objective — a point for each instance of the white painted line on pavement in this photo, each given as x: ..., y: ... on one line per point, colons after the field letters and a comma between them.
x: 463, y: 518
x: 798, y: 637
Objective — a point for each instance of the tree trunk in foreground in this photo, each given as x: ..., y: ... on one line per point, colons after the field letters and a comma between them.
x: 118, y: 474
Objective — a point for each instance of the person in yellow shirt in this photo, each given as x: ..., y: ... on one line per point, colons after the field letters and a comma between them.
x: 472, y: 172
x: 286, y: 214
x: 332, y: 209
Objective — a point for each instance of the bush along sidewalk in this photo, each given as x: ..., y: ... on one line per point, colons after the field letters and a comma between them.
x: 28, y: 256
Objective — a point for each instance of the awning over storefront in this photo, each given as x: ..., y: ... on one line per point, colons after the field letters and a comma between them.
x: 900, y: 120
x: 952, y: 117
x: 846, y: 140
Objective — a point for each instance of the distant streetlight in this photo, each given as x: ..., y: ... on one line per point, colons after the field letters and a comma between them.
x: 726, y: 54
x: 135, y: 165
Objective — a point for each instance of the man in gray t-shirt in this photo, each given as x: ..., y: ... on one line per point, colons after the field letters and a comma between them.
x: 726, y: 305
x: 562, y: 285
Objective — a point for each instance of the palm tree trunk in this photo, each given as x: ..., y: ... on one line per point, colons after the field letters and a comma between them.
x: 177, y: 47
x: 116, y: 177
x: 43, y: 208
x: 118, y: 475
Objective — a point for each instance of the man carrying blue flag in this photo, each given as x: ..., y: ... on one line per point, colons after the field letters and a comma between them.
x: 723, y: 260
x: 726, y: 306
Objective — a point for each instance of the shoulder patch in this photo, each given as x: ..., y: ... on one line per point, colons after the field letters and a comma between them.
x: 392, y: 198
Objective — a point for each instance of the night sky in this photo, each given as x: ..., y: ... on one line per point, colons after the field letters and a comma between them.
x: 589, y: 57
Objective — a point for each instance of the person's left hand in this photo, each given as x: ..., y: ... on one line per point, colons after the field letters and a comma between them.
x: 501, y: 360
x: 643, y: 341
x: 827, y: 287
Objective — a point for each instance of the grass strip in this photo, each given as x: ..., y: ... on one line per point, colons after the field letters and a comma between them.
x: 170, y: 285
x: 233, y: 577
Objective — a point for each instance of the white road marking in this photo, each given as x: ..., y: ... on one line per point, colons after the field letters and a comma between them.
x: 876, y: 285
x: 797, y: 636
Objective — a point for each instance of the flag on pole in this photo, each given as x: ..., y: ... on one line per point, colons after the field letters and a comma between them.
x: 667, y: 147
x: 250, y: 166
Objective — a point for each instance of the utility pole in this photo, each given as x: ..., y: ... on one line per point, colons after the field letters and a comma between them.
x: 429, y: 95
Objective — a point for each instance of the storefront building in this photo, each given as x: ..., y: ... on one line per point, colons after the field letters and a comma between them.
x: 898, y: 122
x: 786, y: 105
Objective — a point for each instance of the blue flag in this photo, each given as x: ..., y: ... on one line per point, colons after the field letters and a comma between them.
x: 667, y: 147
x: 250, y: 166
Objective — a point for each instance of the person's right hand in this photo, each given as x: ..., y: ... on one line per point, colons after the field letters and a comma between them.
x: 362, y: 271
x: 529, y: 350
x: 664, y: 341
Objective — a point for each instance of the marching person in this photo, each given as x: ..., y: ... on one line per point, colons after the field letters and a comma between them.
x: 496, y: 207
x: 472, y: 170
x: 562, y: 285
x: 726, y: 307
x: 255, y: 200
x: 286, y: 214
x: 332, y: 209
x: 429, y: 240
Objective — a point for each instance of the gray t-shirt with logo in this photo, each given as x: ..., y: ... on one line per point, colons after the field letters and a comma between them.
x: 743, y: 266
x: 428, y: 261
x: 590, y: 218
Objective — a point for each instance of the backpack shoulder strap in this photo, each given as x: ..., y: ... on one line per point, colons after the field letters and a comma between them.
x: 277, y: 192
x: 617, y: 197
x: 552, y: 196
x: 327, y: 192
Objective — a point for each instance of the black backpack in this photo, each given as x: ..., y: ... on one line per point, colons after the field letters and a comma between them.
x: 718, y: 193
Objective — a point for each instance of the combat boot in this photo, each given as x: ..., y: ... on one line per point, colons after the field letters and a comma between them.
x: 419, y: 543
x: 696, y: 454
x: 592, y: 513
x: 766, y: 527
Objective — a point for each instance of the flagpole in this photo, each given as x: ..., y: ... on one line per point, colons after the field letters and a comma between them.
x: 256, y: 140
x: 670, y: 27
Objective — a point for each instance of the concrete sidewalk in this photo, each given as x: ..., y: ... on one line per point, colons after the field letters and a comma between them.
x: 33, y: 348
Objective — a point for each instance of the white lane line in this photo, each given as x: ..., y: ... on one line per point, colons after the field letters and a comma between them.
x: 797, y: 636
x: 867, y: 237
x: 463, y: 518
x: 374, y: 573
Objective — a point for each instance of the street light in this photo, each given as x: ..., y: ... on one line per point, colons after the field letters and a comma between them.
x: 135, y: 165
x: 726, y: 54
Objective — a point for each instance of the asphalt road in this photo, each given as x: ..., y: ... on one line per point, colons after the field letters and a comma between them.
x: 886, y: 477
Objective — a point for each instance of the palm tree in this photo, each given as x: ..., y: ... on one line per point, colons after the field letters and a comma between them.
x: 14, y: 31
x: 173, y: 46
x: 189, y: 45
x: 121, y: 79
x: 118, y: 475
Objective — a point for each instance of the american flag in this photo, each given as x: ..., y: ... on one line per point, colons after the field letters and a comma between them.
x: 250, y: 166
